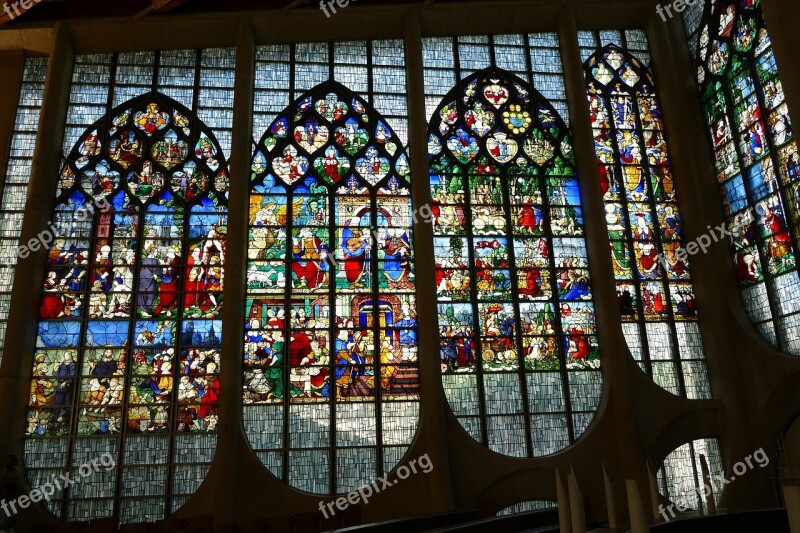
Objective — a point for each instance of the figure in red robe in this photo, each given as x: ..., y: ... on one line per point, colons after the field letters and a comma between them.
x: 332, y: 167
x: 461, y: 350
x: 299, y: 348
x: 582, y: 346
x: 533, y: 284
x: 208, y: 403
x: 527, y: 217
x: 469, y: 118
x: 648, y: 261
x: 168, y: 289
x: 307, y: 266
x: 605, y: 183
x: 780, y: 244
x: 356, y: 253
x: 52, y: 306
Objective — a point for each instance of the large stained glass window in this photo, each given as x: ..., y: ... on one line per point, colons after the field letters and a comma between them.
x: 330, y: 356
x: 519, y: 352
x: 127, y: 355
x: 757, y: 163
x: 653, y: 281
x: 14, y: 188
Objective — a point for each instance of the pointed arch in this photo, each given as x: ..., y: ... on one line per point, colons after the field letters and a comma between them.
x: 757, y: 163
x: 653, y: 281
x: 127, y: 354
x: 331, y: 396
x: 520, y: 358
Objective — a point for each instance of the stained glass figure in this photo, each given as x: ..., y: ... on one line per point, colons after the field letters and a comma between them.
x: 757, y: 163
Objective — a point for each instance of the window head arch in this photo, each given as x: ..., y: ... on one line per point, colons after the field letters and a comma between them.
x: 330, y: 357
x: 127, y: 353
x: 519, y: 351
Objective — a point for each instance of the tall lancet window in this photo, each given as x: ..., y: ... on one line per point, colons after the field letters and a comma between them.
x: 14, y: 184
x: 757, y: 163
x: 519, y: 351
x: 331, y: 394
x: 653, y: 280
x: 128, y: 347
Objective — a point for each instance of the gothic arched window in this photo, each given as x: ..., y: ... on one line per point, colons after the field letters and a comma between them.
x: 757, y: 163
x: 127, y: 353
x: 653, y: 281
x: 330, y: 356
x: 516, y: 318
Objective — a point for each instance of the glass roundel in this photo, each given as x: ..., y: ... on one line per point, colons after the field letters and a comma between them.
x: 331, y: 379
x: 128, y: 346
x: 519, y: 353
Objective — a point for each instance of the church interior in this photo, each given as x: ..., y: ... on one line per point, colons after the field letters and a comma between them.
x: 223, y: 225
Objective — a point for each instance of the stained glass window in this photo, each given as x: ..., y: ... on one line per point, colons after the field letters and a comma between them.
x: 519, y: 352
x: 680, y: 477
x: 654, y: 286
x: 127, y: 354
x: 330, y: 355
x: 692, y: 19
x: 527, y: 506
x: 757, y: 163
x: 14, y: 188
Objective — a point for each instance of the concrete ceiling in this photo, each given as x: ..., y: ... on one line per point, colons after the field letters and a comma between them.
x: 54, y: 10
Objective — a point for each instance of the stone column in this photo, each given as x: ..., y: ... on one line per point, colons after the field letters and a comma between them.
x: 577, y: 511
x: 564, y: 522
x: 636, y: 510
x: 23, y: 316
x: 24, y: 312
x: 432, y: 437
x: 617, y: 362
x: 231, y: 442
